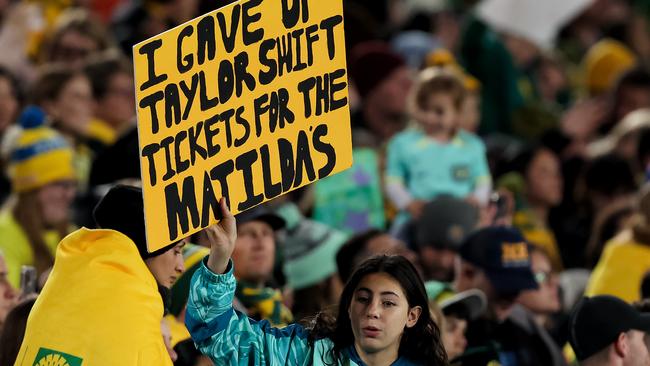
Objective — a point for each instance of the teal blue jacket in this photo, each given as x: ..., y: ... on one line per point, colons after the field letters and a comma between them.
x: 229, y: 337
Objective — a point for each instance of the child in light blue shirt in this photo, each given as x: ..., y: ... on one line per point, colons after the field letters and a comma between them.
x: 435, y: 157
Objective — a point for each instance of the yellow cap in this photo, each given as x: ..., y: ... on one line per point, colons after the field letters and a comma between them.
x: 604, y: 64
x: 445, y: 59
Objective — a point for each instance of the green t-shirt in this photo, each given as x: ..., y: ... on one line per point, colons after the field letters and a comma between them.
x: 352, y: 200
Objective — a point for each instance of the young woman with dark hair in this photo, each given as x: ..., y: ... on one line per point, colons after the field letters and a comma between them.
x: 383, y: 317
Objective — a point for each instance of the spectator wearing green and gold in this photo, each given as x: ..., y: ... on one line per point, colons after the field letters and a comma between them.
x: 309, y: 262
x: 43, y: 184
x: 536, y: 181
x: 254, y: 261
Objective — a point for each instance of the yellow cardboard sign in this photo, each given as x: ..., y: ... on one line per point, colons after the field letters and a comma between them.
x: 246, y: 102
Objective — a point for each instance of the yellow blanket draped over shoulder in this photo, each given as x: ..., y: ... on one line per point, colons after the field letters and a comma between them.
x: 100, y: 306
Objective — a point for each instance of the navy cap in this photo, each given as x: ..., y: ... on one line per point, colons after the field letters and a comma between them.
x: 596, y: 322
x: 503, y: 254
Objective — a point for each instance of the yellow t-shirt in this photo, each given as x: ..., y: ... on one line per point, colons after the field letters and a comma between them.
x: 15, y: 246
x: 177, y: 329
x: 621, y: 268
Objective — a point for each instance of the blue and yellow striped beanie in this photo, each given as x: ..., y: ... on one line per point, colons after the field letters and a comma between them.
x: 40, y: 155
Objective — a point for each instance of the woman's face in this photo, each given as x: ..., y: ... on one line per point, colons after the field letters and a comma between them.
x: 55, y: 200
x: 544, y: 179
x: 117, y: 107
x: 546, y: 299
x: 379, y: 313
x: 167, y: 267
x: 454, y: 336
x: 73, y: 48
x: 7, y: 293
x: 74, y: 105
x: 8, y: 104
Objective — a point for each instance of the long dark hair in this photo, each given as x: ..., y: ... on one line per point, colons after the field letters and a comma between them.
x: 420, y: 343
x: 28, y: 213
x: 11, y: 336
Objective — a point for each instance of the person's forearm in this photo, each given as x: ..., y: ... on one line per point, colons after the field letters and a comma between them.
x: 216, y: 264
x: 399, y: 196
x: 482, y: 192
x: 218, y: 259
x: 221, y: 237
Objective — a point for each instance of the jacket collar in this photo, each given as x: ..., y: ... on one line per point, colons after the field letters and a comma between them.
x: 351, y: 352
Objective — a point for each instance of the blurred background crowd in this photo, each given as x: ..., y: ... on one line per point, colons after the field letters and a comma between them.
x: 466, y: 114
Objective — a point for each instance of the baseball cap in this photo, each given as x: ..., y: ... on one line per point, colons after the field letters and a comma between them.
x: 469, y: 304
x: 261, y: 213
x: 597, y: 321
x: 503, y: 254
x: 445, y: 222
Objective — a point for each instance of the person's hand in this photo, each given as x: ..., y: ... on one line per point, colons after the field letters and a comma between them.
x: 499, y: 212
x: 583, y: 119
x: 221, y: 237
x: 415, y: 208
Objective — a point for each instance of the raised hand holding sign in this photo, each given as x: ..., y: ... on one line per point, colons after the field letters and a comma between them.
x: 246, y: 103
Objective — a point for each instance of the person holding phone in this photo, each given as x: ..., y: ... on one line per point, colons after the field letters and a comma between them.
x: 107, y: 286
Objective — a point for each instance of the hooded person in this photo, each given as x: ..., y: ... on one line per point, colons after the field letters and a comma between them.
x: 106, y: 295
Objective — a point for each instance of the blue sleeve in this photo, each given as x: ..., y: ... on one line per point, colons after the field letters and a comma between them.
x: 229, y: 337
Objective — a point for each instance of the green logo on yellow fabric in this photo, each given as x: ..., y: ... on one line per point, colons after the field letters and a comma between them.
x: 48, y: 357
